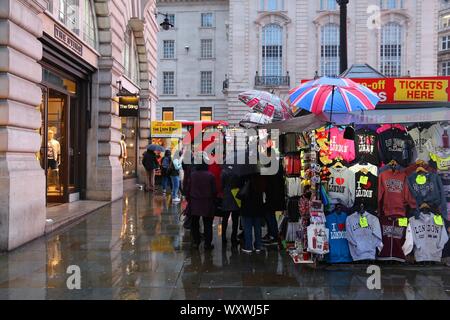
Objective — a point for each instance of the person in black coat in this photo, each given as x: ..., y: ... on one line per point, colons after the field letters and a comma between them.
x: 230, y: 181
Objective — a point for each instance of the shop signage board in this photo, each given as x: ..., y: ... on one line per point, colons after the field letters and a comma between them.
x: 68, y: 40
x: 166, y: 129
x: 128, y: 107
x: 407, y: 90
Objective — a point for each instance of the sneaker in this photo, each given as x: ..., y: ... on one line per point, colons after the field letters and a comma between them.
x: 164, y: 191
x: 246, y: 251
x: 270, y: 242
x: 258, y: 250
x: 176, y: 200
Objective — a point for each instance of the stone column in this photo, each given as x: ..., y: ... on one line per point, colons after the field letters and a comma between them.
x: 104, y: 172
x: 22, y: 180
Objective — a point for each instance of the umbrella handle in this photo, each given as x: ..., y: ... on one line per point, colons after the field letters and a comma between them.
x: 331, y: 112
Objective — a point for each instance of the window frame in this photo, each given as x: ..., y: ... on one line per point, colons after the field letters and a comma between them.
x: 167, y: 110
x: 206, y: 110
x: 329, y: 47
x: 202, y: 15
x: 444, y: 40
x: 391, y: 54
x: 203, y: 49
x: 165, y: 51
x: 272, y: 44
x: 204, y: 91
x: 168, y: 92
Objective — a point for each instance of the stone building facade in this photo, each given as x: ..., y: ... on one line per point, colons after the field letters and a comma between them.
x: 443, y: 46
x: 273, y: 44
x: 62, y: 66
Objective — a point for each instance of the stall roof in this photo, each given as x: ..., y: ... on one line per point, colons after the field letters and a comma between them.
x: 312, y: 121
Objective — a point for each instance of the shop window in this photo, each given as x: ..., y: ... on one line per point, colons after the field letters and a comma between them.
x: 329, y: 50
x: 272, y: 51
x: 168, y: 82
x: 206, y: 48
x: 78, y: 16
x: 206, y: 114
x: 391, y: 50
x: 206, y: 82
x: 445, y: 68
x: 207, y: 20
x: 169, y: 49
x: 167, y: 114
x: 128, y: 146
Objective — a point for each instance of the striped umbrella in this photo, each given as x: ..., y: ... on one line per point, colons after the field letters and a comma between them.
x: 338, y: 95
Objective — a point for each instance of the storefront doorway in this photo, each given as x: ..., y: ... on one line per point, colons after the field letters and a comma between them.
x: 63, y: 143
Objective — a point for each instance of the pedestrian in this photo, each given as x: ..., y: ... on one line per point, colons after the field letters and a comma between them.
x: 174, y: 173
x: 201, y: 194
x: 165, y: 163
x: 252, y: 211
x: 230, y: 182
x: 150, y: 164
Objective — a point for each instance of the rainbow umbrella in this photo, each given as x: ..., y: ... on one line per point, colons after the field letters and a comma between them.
x: 338, y: 95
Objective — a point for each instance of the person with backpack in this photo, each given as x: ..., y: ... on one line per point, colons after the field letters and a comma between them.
x: 174, y: 173
x: 165, y: 163
x: 150, y: 164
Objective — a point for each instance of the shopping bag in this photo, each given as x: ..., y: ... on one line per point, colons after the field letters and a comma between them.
x: 234, y: 192
x: 318, y: 242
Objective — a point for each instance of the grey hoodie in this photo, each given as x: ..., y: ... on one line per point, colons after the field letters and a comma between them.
x: 363, y: 242
x: 426, y: 237
x: 431, y: 192
x: 341, y: 186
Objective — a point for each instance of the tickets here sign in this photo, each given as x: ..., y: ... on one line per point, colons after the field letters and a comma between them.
x: 166, y: 129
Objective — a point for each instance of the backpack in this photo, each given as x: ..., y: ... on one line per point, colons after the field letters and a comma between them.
x: 166, y: 162
x: 146, y: 161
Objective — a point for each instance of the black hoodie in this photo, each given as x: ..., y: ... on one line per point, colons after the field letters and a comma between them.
x: 396, y: 145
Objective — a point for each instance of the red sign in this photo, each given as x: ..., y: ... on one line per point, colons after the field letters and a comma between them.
x: 407, y: 90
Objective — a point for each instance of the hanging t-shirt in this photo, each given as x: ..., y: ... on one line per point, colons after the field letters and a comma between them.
x: 339, y: 251
x: 340, y: 147
x: 366, y: 191
x: 366, y: 146
x: 442, y: 161
x: 393, y: 193
x: 396, y: 145
x: 437, y: 135
x: 420, y: 137
x: 341, y: 186
x: 369, y: 167
x: 393, y: 231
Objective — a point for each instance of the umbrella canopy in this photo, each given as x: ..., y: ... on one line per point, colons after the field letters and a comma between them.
x: 339, y: 95
x: 253, y: 119
x: 267, y: 104
x: 155, y: 147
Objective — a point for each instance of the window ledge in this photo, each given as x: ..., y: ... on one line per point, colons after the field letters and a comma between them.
x: 213, y: 59
x: 168, y: 59
x: 207, y: 28
x: 168, y: 95
x: 206, y: 94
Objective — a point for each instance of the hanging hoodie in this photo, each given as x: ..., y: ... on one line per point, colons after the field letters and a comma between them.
x: 427, y: 187
x: 370, y: 167
x: 366, y: 191
x: 393, y: 193
x: 393, y: 230
x: 426, y: 237
x: 396, y: 145
x: 420, y: 137
x: 366, y: 146
x: 339, y: 251
x: 341, y: 186
x: 412, y: 168
x: 386, y: 127
x: 340, y: 147
x: 363, y: 241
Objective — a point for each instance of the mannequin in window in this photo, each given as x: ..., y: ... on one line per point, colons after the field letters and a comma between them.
x: 123, y: 150
x: 53, y: 158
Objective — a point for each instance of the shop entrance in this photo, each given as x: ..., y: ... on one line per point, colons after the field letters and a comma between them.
x: 62, y: 145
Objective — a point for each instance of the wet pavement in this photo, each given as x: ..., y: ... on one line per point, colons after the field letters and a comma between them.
x: 138, y: 249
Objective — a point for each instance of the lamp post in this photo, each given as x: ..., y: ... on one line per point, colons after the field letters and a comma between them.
x: 165, y: 25
x: 343, y: 35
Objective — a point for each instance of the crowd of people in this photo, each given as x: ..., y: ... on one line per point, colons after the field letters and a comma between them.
x: 222, y: 191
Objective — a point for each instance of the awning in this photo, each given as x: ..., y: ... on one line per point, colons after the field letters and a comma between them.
x: 312, y: 121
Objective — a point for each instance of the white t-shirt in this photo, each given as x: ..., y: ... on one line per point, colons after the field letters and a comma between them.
x: 420, y: 138
x: 370, y: 167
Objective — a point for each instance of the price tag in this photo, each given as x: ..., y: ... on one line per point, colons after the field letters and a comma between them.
x: 421, y: 179
x: 363, y: 180
x: 438, y: 220
x: 403, y: 222
x: 363, y: 222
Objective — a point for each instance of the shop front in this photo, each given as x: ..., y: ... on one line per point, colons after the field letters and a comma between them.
x: 67, y: 68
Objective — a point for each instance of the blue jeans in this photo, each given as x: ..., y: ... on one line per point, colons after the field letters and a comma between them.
x: 175, y: 186
x: 252, y: 224
x: 165, y: 182
x: 272, y: 225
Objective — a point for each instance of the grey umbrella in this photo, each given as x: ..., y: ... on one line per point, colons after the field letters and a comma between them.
x: 155, y: 147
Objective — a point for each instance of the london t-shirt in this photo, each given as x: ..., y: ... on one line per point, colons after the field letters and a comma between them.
x: 340, y: 147
x: 341, y: 186
x: 420, y: 138
x: 366, y: 191
x: 366, y: 146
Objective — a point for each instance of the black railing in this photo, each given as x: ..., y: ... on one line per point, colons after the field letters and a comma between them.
x: 272, y: 81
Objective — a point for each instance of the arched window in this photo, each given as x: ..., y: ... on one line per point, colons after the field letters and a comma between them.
x: 329, y: 50
x: 131, y: 58
x: 272, y: 51
x: 391, y: 49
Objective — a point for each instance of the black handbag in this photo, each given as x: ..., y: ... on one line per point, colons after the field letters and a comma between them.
x: 244, y: 191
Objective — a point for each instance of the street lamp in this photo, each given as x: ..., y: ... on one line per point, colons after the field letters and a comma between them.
x: 343, y: 35
x: 165, y: 25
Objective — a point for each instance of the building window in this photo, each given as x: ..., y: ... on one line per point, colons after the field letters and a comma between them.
x: 206, y: 48
x: 445, y: 43
x: 78, y: 16
x: 168, y: 82
x: 169, y: 49
x: 167, y: 114
x: 206, y: 82
x: 391, y: 4
x: 131, y: 58
x: 271, y: 5
x: 206, y: 114
x: 329, y: 50
x: 328, y: 5
x: 171, y: 18
x: 391, y: 50
x: 444, y: 22
x: 207, y: 20
x: 272, y: 50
